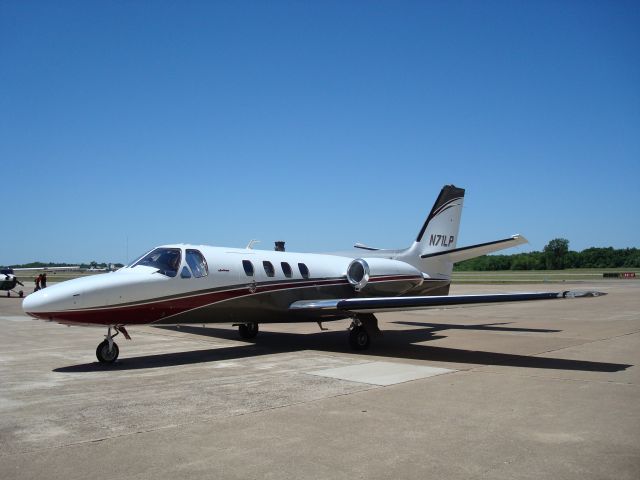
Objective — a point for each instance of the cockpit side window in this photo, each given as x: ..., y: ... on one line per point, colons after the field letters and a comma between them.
x: 166, y: 260
x: 197, y: 262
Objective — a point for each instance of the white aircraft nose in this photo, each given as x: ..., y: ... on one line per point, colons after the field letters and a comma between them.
x: 56, y: 298
x: 35, y: 302
x: 74, y: 300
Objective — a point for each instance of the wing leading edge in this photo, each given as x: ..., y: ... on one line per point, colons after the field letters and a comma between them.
x: 390, y: 304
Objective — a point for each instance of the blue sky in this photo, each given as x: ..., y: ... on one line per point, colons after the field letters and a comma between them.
x: 125, y: 125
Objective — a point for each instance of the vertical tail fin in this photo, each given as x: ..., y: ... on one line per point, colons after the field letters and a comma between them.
x: 439, y: 233
x: 440, y: 230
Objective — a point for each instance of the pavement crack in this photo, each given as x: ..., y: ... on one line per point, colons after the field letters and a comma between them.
x: 588, y: 342
x: 563, y: 379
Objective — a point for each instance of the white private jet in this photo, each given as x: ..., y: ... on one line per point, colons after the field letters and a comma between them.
x: 196, y: 284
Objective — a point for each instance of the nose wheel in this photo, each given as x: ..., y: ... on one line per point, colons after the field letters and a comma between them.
x: 108, y: 351
x: 106, y: 354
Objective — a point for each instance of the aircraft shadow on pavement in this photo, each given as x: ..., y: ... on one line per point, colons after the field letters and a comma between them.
x: 405, y: 344
x: 495, y: 327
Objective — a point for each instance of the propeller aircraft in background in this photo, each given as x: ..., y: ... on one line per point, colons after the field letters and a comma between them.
x: 9, y: 281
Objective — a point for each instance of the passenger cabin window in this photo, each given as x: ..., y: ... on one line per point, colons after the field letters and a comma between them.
x: 197, y: 263
x: 286, y: 269
x: 304, y: 271
x: 166, y: 260
x: 268, y: 269
x: 248, y: 267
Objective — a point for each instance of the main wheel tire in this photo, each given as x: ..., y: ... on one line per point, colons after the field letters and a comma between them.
x: 21, y: 294
x: 248, y: 330
x: 359, y: 338
x: 104, y: 355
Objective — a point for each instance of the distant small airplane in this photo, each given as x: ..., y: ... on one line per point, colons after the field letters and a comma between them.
x: 8, y: 282
x: 195, y: 284
x: 94, y: 268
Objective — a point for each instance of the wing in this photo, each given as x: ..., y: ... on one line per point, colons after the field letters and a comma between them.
x: 391, y: 304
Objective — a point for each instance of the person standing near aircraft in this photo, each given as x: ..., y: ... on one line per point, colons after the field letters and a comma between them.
x: 43, y: 281
x: 37, y: 281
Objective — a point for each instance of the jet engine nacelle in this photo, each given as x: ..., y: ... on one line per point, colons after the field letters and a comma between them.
x: 382, y: 276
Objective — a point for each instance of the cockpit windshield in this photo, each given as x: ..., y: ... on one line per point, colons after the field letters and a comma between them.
x: 166, y: 260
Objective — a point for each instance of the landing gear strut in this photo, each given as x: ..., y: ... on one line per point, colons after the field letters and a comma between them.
x: 248, y: 331
x: 108, y: 351
x: 19, y: 292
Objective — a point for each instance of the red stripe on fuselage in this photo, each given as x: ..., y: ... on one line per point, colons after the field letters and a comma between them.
x: 153, y: 310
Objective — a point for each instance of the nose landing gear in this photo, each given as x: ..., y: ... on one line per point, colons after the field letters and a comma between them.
x: 108, y: 351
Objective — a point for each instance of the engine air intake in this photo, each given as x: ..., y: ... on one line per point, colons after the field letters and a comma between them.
x: 358, y: 274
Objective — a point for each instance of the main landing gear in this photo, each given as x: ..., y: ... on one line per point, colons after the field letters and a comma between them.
x: 247, y: 331
x: 108, y: 351
x: 19, y: 292
x: 362, y: 328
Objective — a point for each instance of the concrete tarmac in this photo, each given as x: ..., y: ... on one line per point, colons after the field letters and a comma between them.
x: 530, y: 390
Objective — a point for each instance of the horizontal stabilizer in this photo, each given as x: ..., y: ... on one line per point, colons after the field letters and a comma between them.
x: 465, y: 253
x: 389, y: 304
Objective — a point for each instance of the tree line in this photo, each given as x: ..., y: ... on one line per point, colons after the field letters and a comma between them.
x: 93, y: 264
x: 556, y: 256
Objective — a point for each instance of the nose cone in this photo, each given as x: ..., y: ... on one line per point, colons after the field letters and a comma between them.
x: 33, y: 302
x: 55, y: 298
x: 92, y: 300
